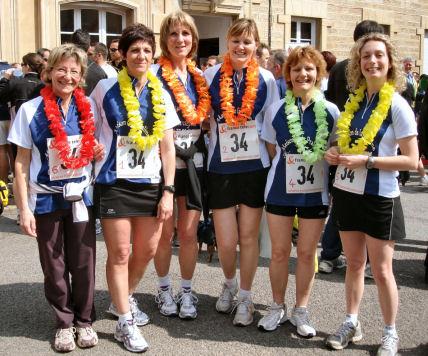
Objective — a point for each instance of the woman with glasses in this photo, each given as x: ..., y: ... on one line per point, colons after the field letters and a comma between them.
x: 55, y: 135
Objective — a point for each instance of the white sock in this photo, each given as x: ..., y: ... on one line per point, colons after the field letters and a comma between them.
x: 353, y: 318
x: 186, y: 284
x: 123, y: 318
x: 231, y: 283
x: 164, y: 282
x: 390, y: 330
x: 244, y: 294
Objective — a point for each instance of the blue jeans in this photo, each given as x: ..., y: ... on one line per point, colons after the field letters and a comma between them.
x: 330, y: 241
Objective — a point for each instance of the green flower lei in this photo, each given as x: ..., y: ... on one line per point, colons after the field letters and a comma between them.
x: 293, y: 120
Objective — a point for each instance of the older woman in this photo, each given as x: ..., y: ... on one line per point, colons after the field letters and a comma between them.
x: 189, y: 92
x: 297, y: 133
x: 237, y: 162
x: 134, y: 184
x: 55, y: 137
x: 367, y: 208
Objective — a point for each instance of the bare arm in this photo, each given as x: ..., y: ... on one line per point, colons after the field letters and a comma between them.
x: 271, y: 150
x: 22, y: 173
x: 167, y: 151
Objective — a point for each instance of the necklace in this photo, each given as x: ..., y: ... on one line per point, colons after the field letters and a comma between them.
x: 192, y: 115
x: 295, y: 127
x: 226, y: 92
x: 132, y: 105
x: 56, y: 127
x: 372, y: 126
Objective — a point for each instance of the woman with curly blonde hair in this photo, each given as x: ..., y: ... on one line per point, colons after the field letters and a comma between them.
x: 367, y: 208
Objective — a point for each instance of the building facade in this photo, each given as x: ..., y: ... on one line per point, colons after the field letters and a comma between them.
x: 26, y: 25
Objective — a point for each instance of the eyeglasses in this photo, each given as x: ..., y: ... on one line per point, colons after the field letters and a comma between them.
x: 113, y: 50
x: 63, y: 72
x: 45, y: 59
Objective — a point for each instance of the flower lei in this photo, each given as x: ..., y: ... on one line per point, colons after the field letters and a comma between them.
x: 132, y: 105
x: 192, y: 115
x: 293, y: 120
x: 56, y: 128
x: 226, y: 92
x: 372, y: 126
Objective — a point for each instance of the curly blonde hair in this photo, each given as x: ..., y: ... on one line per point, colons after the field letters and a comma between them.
x: 353, y: 71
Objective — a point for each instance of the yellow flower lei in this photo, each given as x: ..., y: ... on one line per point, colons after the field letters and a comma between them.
x: 132, y: 105
x: 373, y: 125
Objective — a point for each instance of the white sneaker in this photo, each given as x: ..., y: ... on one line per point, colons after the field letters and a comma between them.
x: 86, y: 337
x: 226, y: 300
x: 277, y: 315
x: 327, y: 266
x: 166, y: 303
x: 140, y: 317
x: 244, y: 312
x: 300, y: 319
x: 423, y: 180
x: 64, y: 340
x: 187, y: 303
x: 131, y: 337
x: 389, y: 346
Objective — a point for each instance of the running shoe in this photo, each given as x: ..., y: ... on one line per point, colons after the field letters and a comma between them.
x: 277, y: 315
x: 129, y: 334
x: 300, y: 319
x: 226, y: 300
x: 166, y: 302
x: 344, y: 335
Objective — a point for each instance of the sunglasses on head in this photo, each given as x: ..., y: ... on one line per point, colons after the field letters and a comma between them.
x: 113, y: 50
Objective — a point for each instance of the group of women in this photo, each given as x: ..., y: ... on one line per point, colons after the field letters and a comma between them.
x: 142, y: 134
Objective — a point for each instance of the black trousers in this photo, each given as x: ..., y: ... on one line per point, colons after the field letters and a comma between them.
x: 67, y: 255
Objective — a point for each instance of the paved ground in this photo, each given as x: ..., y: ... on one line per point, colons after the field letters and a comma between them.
x: 27, y: 327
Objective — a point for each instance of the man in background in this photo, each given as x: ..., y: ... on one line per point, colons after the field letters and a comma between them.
x: 100, y: 58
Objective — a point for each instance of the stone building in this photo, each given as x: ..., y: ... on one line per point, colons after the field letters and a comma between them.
x: 327, y: 24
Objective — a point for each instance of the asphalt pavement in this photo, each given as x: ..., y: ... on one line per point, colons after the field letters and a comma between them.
x: 27, y: 324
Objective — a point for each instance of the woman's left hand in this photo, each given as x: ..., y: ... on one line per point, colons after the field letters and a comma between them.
x: 98, y: 151
x: 353, y: 161
x: 165, y: 206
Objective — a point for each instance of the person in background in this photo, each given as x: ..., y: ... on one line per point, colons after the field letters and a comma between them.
x: 297, y: 130
x: 240, y: 92
x: 54, y: 192
x: 211, y: 61
x: 366, y: 195
x: 100, y: 58
x: 189, y: 92
x: 115, y: 55
x: 263, y: 54
x: 330, y: 60
x: 95, y: 73
x: 44, y: 53
x: 337, y: 92
x: 275, y: 65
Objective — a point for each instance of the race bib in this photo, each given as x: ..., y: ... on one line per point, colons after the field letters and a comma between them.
x: 351, y: 180
x: 57, y: 170
x: 184, y: 138
x: 240, y: 143
x: 303, y: 177
x: 131, y: 162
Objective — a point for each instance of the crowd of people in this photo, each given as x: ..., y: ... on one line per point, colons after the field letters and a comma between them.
x: 109, y: 133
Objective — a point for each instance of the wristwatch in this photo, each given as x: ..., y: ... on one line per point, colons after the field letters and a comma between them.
x: 169, y: 188
x: 370, y: 162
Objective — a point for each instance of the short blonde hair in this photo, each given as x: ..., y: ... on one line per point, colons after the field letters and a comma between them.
x: 353, y: 71
x: 184, y: 19
x: 62, y: 52
x: 244, y: 26
x: 309, y: 53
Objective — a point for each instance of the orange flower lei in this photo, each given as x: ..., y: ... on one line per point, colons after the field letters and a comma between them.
x: 192, y: 115
x: 226, y: 92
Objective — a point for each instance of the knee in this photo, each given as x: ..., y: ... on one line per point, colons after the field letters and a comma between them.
x: 382, y: 274
x: 187, y: 237
x: 248, y: 240
x: 306, y: 256
x: 119, y: 256
x: 280, y: 255
x: 355, y: 264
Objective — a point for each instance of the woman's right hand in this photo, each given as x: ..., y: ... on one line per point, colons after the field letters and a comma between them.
x: 28, y: 223
x: 332, y: 156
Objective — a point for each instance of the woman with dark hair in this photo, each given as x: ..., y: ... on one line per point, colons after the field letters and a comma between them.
x: 330, y: 60
x: 189, y: 92
x: 238, y: 163
x: 134, y: 180
x: 55, y: 135
x: 367, y: 207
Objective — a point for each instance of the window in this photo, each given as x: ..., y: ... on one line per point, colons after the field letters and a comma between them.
x: 102, y: 25
x: 303, y: 32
